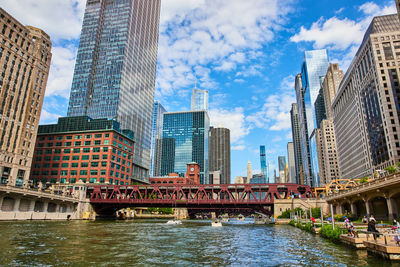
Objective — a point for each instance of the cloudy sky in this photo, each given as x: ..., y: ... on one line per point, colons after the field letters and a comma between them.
x: 245, y: 52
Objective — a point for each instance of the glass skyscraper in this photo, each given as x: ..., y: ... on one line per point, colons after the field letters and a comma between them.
x: 115, y: 69
x: 199, y: 100
x: 185, y: 140
x: 314, y: 67
x: 263, y: 161
x: 156, y: 134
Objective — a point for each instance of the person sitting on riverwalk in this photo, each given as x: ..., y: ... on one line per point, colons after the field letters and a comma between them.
x: 365, y: 219
x: 371, y: 228
x: 371, y: 218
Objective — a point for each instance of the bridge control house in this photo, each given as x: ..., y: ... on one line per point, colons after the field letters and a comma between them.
x: 85, y: 149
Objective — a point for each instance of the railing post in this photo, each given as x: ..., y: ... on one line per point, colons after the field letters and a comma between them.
x: 332, y: 217
x: 322, y: 216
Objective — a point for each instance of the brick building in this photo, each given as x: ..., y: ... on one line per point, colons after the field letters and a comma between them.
x: 85, y: 149
x: 192, y: 176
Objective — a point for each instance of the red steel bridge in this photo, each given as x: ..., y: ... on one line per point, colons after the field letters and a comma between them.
x: 220, y: 198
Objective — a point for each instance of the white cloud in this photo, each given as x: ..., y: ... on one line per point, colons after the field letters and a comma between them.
x: 212, y: 34
x: 274, y: 115
x: 47, y: 117
x: 61, y: 19
x: 341, y: 34
x: 238, y: 147
x: 234, y: 120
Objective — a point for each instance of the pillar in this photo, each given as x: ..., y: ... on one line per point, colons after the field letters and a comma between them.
x: 32, y: 205
x: 1, y: 201
x: 353, y: 208
x: 16, y: 204
x: 57, y: 207
x: 368, y: 207
x: 45, y: 206
x: 392, y: 209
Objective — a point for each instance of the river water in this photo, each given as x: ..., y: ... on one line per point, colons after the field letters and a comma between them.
x: 152, y: 242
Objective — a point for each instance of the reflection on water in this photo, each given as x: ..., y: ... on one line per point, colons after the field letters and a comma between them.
x: 152, y: 242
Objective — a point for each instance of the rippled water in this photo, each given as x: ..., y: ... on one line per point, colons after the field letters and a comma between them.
x: 145, y: 243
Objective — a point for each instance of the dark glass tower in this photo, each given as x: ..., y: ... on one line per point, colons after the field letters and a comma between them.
x: 263, y: 161
x: 185, y: 140
x: 220, y: 153
x: 115, y: 69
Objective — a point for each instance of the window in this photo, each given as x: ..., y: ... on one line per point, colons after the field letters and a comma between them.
x: 74, y: 165
x: 118, y: 159
x: 96, y: 149
x: 95, y: 157
x: 45, y: 172
x: 84, y: 164
x: 106, y: 135
x: 102, y: 180
x: 104, y: 156
x: 83, y: 172
x: 119, y: 153
x: 73, y: 172
x: 77, y: 150
x: 55, y: 165
x: 57, y: 151
x: 78, y: 136
x: 38, y: 158
x: 92, y: 180
x: 97, y: 135
x: 67, y: 143
x: 67, y: 151
x: 39, y: 152
x: 72, y: 180
x: 77, y: 143
x: 46, y: 165
x: 54, y: 173
x: 59, y: 137
x: 105, y: 149
x: 85, y: 157
x: 58, y: 143
x: 104, y: 164
x: 88, y: 143
x: 88, y: 136
x: 106, y: 142
x: 86, y: 150
x: 56, y: 158
x: 94, y: 164
x: 68, y: 137
x: 102, y: 172
x: 93, y: 172
x: 97, y: 142
x: 64, y: 165
x: 48, y: 151
x: 49, y: 144
x: 64, y: 173
x: 75, y: 157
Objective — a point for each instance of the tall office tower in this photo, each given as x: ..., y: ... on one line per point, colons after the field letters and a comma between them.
x: 366, y: 108
x: 249, y: 172
x: 305, y: 161
x: 199, y: 100
x: 398, y: 8
x: 282, y: 166
x: 291, y: 162
x: 219, y: 148
x: 319, y: 105
x: 294, y: 116
x: 156, y: 134
x: 330, y: 86
x: 25, y: 54
x: 307, y: 85
x: 115, y: 69
x: 263, y: 161
x: 185, y: 140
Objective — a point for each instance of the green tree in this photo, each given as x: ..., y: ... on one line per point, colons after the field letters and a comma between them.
x: 363, y: 180
x: 391, y: 169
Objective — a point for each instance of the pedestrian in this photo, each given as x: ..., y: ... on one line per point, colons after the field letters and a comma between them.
x: 371, y: 218
x: 365, y: 220
x: 372, y: 229
x: 313, y: 221
x: 396, y: 238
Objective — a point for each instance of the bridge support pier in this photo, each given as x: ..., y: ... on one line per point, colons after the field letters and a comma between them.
x: 368, y: 207
x: 353, y: 208
x: 32, y: 205
x: 392, y: 208
x: 16, y: 204
x: 1, y: 201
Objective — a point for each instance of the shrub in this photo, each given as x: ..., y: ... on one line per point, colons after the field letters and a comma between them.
x: 286, y: 213
x: 363, y: 180
x: 292, y: 223
x: 316, y: 212
x: 308, y: 227
x: 391, y: 169
x: 298, y: 225
x: 331, y: 234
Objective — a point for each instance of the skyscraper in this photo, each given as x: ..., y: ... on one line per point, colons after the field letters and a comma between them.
x: 115, y: 69
x: 282, y: 166
x: 220, y: 153
x: 249, y: 172
x: 307, y: 86
x: 291, y: 162
x: 185, y: 140
x: 156, y: 134
x: 25, y: 54
x: 199, y: 100
x: 294, y: 116
x: 263, y: 161
x: 366, y: 108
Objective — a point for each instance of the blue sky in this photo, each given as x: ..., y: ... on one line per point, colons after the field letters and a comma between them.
x: 246, y: 53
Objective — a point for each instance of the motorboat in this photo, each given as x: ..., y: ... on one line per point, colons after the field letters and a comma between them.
x: 216, y: 224
x: 174, y: 222
x: 240, y: 217
x: 225, y: 219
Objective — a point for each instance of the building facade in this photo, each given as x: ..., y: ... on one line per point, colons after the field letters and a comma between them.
x: 192, y: 176
x: 199, y: 100
x: 291, y: 162
x: 366, y: 108
x: 156, y: 136
x: 25, y: 54
x: 115, y: 69
x: 220, y: 153
x: 294, y: 117
x: 83, y: 149
x: 282, y: 166
x: 185, y: 139
x: 249, y: 172
x: 263, y: 161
